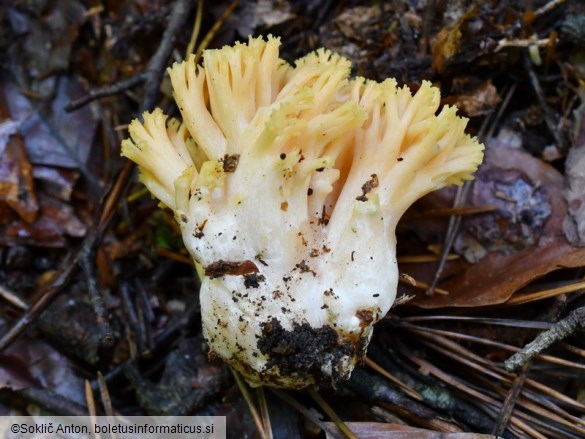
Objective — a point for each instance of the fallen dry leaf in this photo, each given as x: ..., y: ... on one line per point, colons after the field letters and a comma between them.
x: 55, y: 222
x: 476, y: 101
x: 519, y: 242
x: 17, y: 192
x: 448, y: 40
x: 16, y: 183
x: 34, y: 363
x: 52, y: 136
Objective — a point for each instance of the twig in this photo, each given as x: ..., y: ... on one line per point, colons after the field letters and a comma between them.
x: 97, y: 301
x: 108, y: 207
x: 545, y: 9
x: 573, y: 322
x: 544, y: 105
x: 452, y: 230
x: 154, y: 72
x: 130, y: 312
x: 65, y: 276
x: 493, y: 121
x: 455, y: 220
x: 156, y: 66
x: 108, y: 90
x: 162, y: 339
x: 510, y: 401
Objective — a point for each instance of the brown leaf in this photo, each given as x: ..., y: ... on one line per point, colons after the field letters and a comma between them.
x: 17, y: 194
x: 14, y: 374
x: 446, y: 46
x: 261, y: 14
x: 56, y: 220
x: 34, y: 363
x: 16, y: 182
x: 448, y: 40
x: 519, y: 242
x: 56, y: 182
x: 479, y: 100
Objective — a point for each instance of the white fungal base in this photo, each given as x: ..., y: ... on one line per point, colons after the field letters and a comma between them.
x: 288, y: 182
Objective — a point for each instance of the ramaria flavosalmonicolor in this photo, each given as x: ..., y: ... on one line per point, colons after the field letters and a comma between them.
x: 288, y: 182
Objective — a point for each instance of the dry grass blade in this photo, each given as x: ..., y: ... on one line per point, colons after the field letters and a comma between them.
x: 305, y: 412
x: 12, y: 298
x: 251, y: 406
x: 546, y: 294
x: 174, y: 256
x: 453, y: 227
x: 547, y: 358
x: 558, y: 421
x: 136, y: 194
x: 570, y: 422
x: 461, y: 355
x: 264, y: 411
x: 560, y: 397
x: 196, y: 30
x: 106, y: 400
x: 105, y: 395
x: 217, y: 25
x: 420, y: 285
x: 331, y: 413
x: 449, y: 211
x: 490, y: 404
x: 481, y: 320
x: 91, y: 407
x: 376, y: 367
x: 573, y: 349
x: 90, y: 400
x: 421, y: 259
